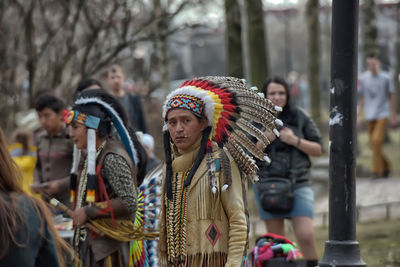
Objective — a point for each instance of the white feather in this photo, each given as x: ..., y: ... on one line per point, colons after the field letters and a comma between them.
x: 214, y: 190
x: 278, y: 122
x: 165, y: 127
x: 224, y: 187
x: 91, y: 151
x: 88, y: 100
x: 76, y: 158
x: 267, y: 159
x: 276, y: 132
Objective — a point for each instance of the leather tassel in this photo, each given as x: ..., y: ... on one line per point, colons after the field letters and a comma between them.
x: 74, y: 177
x: 168, y: 163
x: 72, y: 186
x: 91, y: 171
x: 91, y: 185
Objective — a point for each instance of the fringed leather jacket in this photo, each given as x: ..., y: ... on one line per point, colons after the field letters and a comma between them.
x: 198, y: 227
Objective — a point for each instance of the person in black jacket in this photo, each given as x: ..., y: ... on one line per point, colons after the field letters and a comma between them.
x: 27, y: 235
x: 132, y: 103
x: 299, y: 139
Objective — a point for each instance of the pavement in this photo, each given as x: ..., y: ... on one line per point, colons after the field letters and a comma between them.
x: 376, y: 199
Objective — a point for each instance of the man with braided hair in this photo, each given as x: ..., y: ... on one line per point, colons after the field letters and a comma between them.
x: 204, y: 218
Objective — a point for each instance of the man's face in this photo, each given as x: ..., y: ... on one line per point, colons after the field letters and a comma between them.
x: 78, y: 134
x: 115, y: 80
x: 51, y: 121
x: 184, y: 128
x: 373, y: 65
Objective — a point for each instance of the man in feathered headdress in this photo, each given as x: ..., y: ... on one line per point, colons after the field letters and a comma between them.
x: 204, y: 219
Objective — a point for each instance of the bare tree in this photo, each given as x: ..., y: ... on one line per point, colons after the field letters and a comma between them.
x: 9, y: 65
x: 234, y: 38
x: 257, y: 42
x: 53, y: 44
x: 312, y: 14
x: 64, y: 41
x: 370, y: 31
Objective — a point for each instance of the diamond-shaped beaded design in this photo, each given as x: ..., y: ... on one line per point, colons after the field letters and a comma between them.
x: 212, y: 233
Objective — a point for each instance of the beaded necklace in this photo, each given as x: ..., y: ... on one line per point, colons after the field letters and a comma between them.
x: 81, y: 232
x: 176, y: 221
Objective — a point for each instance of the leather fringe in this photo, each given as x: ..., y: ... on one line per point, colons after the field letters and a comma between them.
x: 215, y: 259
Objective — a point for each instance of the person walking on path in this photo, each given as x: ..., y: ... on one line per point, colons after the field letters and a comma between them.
x: 377, y: 101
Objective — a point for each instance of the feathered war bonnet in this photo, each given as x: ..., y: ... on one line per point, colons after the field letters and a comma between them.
x: 98, y: 111
x: 230, y: 107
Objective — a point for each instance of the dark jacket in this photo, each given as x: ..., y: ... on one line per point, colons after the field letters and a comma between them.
x: 133, y: 106
x: 38, y: 248
x: 287, y: 161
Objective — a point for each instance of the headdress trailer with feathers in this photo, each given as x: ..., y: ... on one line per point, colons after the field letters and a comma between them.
x: 230, y: 107
x: 92, y: 123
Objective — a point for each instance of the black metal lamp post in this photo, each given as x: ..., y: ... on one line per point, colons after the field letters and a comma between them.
x: 342, y: 249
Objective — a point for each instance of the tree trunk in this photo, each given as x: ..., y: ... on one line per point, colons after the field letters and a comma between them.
x: 161, y: 28
x: 258, y: 55
x: 397, y: 70
x: 370, y: 32
x: 312, y: 11
x: 31, y: 63
x: 233, y: 39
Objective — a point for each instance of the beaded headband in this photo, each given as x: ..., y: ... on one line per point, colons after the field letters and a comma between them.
x: 187, y: 102
x: 81, y: 118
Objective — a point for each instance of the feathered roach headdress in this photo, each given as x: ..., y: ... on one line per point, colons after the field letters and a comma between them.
x: 93, y: 110
x: 230, y: 107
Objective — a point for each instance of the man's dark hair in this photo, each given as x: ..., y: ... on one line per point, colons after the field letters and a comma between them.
x: 84, y: 84
x: 49, y: 101
x: 372, y: 55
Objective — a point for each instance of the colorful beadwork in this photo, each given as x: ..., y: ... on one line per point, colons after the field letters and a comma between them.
x: 176, y: 221
x: 212, y: 233
x: 188, y: 102
x: 81, y: 118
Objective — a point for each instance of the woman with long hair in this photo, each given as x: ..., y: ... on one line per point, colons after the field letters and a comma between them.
x: 27, y: 234
x: 290, y: 154
x: 104, y: 186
